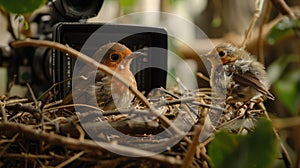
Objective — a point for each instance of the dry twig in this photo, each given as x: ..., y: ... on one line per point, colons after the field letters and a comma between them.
x: 188, y: 159
x: 258, y: 8
x: 2, y: 106
x: 65, y: 163
x: 284, y: 8
x: 261, y: 38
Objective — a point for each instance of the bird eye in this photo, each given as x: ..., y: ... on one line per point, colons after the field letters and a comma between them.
x: 114, y: 57
x: 222, y: 53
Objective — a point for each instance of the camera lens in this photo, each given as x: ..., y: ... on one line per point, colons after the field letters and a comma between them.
x: 74, y: 10
x: 80, y: 5
x: 42, y: 65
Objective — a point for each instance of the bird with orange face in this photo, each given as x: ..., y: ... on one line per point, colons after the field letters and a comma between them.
x: 109, y: 92
x: 237, y: 73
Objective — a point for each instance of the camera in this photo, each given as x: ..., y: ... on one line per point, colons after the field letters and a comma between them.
x: 43, y: 67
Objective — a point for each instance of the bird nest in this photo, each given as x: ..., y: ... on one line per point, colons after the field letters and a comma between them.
x: 37, y: 133
x: 47, y: 133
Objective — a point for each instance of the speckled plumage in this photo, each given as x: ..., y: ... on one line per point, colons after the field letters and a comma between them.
x: 237, y: 74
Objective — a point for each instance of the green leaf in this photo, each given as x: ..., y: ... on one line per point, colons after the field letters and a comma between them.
x: 21, y: 6
x: 216, y: 22
x: 127, y: 3
x: 26, y: 25
x: 288, y: 91
x: 222, y: 147
x: 283, y: 29
x: 276, y: 69
x: 257, y: 150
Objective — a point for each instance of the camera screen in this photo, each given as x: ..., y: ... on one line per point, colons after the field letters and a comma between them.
x: 87, y: 38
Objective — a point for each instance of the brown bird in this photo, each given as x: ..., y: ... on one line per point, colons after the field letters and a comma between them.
x: 237, y: 73
x: 110, y: 93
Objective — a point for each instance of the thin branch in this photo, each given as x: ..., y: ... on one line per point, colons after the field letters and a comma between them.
x: 285, y: 155
x: 261, y: 38
x: 71, y: 105
x: 283, y: 8
x: 210, y: 106
x: 284, y: 123
x: 9, y: 141
x: 54, y: 85
x: 32, y: 95
x: 175, y: 101
x: 15, y: 101
x: 70, y: 160
x: 57, y: 84
x: 258, y: 8
x: 125, y: 126
x: 26, y: 108
x: 202, y: 76
x: 10, y: 85
x: 52, y: 104
x: 80, y: 130
x: 2, y: 106
x: 189, y: 155
x: 51, y: 155
x: 36, y: 104
x: 194, y: 102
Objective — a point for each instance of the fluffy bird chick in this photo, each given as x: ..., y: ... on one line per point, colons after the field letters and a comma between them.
x: 237, y: 74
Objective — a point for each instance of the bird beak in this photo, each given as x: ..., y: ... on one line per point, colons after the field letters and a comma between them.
x: 135, y: 55
x: 208, y: 55
x: 213, y: 58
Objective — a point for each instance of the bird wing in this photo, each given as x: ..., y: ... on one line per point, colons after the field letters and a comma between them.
x: 93, y: 84
x: 103, y: 90
x: 249, y: 79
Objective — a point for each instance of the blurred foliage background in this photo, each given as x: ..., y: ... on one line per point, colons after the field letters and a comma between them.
x: 275, y: 38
